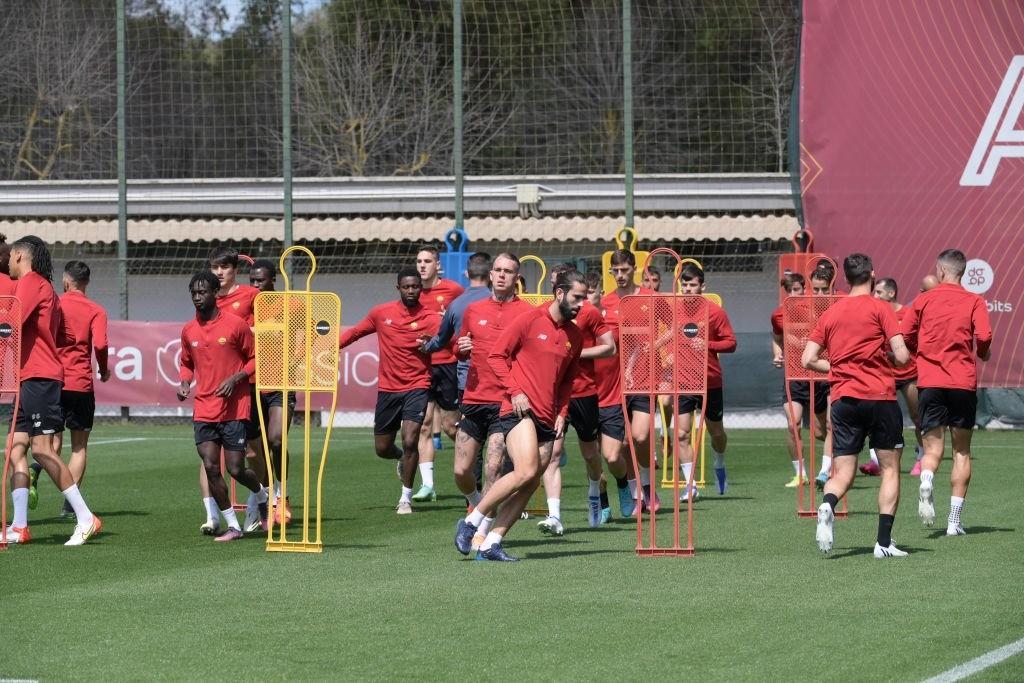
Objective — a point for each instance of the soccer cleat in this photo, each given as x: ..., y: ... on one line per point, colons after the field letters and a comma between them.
x: 33, y: 492
x: 683, y: 497
x: 925, y: 505
x: 823, y: 534
x: 404, y: 507
x: 552, y: 526
x: 594, y: 511
x: 438, y: 445
x: 870, y: 468
x: 478, y: 540
x: 651, y: 502
x: 495, y: 554
x: 723, y: 483
x: 915, y: 471
x: 606, y: 515
x: 424, y: 494
x: 252, y: 521
x: 955, y: 530
x: 821, y: 480
x: 231, y: 534
x: 627, y: 504
x: 891, y: 551
x: 264, y: 513
x: 18, y: 534
x: 797, y: 480
x: 210, y: 528
x: 83, y: 534
x: 464, y: 533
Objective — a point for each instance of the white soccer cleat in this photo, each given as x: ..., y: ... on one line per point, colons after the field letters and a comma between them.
x: 955, y: 530
x: 252, y: 521
x: 210, y: 528
x: 551, y: 526
x: 823, y: 534
x: 404, y: 508
x: 925, y: 504
x: 891, y: 551
x: 685, y: 495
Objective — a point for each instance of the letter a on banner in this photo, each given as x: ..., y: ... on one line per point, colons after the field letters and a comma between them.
x: 992, y: 146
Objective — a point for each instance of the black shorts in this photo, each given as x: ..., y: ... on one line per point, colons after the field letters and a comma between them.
x: 480, y: 420
x: 947, y: 408
x: 902, y: 383
x: 230, y: 435
x: 444, y: 385
x: 545, y: 434
x: 638, y: 404
x: 268, y: 400
x: 611, y: 423
x: 394, y: 407
x: 800, y: 392
x: 584, y: 418
x: 79, y: 409
x: 39, y: 407
x: 689, y: 403
x: 857, y: 419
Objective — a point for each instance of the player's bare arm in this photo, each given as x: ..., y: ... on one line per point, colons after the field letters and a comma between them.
x: 812, y: 359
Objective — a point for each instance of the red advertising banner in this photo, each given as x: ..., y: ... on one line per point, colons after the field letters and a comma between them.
x: 912, y: 142
x: 144, y: 369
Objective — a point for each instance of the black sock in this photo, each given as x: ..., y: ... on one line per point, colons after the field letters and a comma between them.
x: 832, y: 500
x: 437, y: 435
x: 604, y: 499
x: 621, y: 483
x: 36, y: 467
x: 885, y: 529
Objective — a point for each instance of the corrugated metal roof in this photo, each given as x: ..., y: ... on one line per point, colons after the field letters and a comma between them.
x: 553, y: 228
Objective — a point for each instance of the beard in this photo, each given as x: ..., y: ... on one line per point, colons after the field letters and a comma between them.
x: 567, y: 311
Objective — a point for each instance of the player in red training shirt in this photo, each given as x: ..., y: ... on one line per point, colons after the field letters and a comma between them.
x: 403, y: 385
x: 438, y: 293
x: 652, y: 278
x: 950, y: 328
x: 42, y: 376
x: 217, y: 350
x: 855, y: 332
x: 535, y: 359
x: 7, y: 285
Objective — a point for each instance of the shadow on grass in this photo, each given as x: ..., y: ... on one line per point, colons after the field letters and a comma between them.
x: 854, y: 552
x: 124, y: 513
x: 352, y: 546
x: 973, y: 531
x: 568, y: 553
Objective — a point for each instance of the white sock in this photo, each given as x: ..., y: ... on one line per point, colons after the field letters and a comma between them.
x: 632, y: 487
x: 473, y: 498
x: 927, y: 476
x: 406, y: 496
x: 719, y: 459
x: 211, y: 510
x: 555, y: 508
x: 475, y: 518
x: 231, y: 519
x: 956, y: 507
x: 492, y: 539
x: 427, y: 473
x: 20, y: 518
x: 826, y: 465
x: 874, y: 456
x: 645, y: 476
x: 277, y: 488
x: 687, y: 468
x: 595, y: 488
x: 798, y: 466
x: 74, y: 497
x: 485, y: 525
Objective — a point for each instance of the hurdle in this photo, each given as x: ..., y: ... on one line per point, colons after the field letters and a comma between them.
x: 10, y: 383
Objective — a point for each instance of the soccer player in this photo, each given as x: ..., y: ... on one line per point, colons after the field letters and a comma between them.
x: 950, y: 327
x: 482, y: 324
x: 535, y: 359
x: 887, y: 290
x: 721, y: 339
x: 438, y: 294
x: 623, y: 269
x: 7, y: 285
x: 822, y: 283
x: 403, y: 384
x: 799, y: 392
x: 855, y: 331
x: 39, y: 414
x: 598, y: 342
x: 652, y: 278
x: 217, y: 351
x: 88, y: 324
x: 263, y: 277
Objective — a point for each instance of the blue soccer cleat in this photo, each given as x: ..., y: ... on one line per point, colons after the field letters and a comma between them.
x: 723, y: 483
x: 464, y: 532
x: 626, y: 502
x: 438, y: 446
x: 494, y: 554
x: 594, y: 511
x: 606, y: 515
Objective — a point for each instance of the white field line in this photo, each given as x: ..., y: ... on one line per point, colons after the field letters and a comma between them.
x: 958, y: 673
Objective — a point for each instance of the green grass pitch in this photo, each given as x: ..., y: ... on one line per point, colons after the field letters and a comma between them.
x: 391, y: 599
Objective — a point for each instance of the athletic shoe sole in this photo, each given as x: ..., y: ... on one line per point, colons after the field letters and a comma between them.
x: 823, y: 534
x: 925, y: 505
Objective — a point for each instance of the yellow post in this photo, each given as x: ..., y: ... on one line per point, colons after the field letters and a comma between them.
x: 297, y: 351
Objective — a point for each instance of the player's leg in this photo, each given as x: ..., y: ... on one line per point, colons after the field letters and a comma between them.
x: 274, y: 410
x: 77, y: 464
x: 255, y: 461
x: 823, y: 415
x: 435, y: 431
x: 794, y: 424
x: 935, y: 416
x: 851, y: 423
x: 495, y: 458
x: 208, y: 446
x: 17, y: 530
x: 910, y: 395
x: 887, y: 441
x: 611, y: 427
x: 426, y: 453
x: 714, y: 415
x: 959, y: 478
x: 687, y: 405
x: 551, y: 478
x: 591, y: 452
x: 468, y: 443
x: 639, y: 408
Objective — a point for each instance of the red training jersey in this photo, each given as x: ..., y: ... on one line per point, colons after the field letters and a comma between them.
x: 484, y: 321
x: 721, y: 339
x: 908, y: 371
x: 88, y: 323
x: 856, y: 331
x: 7, y: 285
x: 538, y: 357
x: 240, y: 303
x: 438, y: 298
x: 778, y: 316
x: 591, y: 325
x: 402, y: 365
x: 949, y: 326
x: 607, y: 375
x: 42, y: 324
x: 212, y: 351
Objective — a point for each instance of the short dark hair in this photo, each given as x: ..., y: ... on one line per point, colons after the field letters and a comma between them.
x: 507, y: 255
x: 38, y: 252
x: 408, y: 272
x: 567, y: 278
x: 653, y: 270
x: 429, y: 248
x: 478, y: 265
x: 955, y: 259
x: 789, y: 279
x: 264, y: 264
x: 620, y: 256
x: 563, y: 267
x: 78, y: 271
x: 691, y: 271
x: 857, y: 268
x: 206, y: 277
x: 594, y: 280
x: 224, y: 256
x: 890, y: 285
x: 824, y: 271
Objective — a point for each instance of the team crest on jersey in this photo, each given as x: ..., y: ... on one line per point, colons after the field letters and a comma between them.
x: 542, y: 336
x: 236, y: 305
x: 482, y: 323
x: 568, y: 345
x: 414, y: 324
x: 222, y: 341
x: 387, y: 321
x: 195, y: 344
x: 440, y: 298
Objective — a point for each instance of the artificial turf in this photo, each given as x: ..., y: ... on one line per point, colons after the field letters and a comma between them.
x: 390, y: 598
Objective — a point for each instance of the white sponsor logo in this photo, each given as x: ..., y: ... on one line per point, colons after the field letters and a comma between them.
x: 482, y: 322
x: 978, y: 277
x: 542, y: 337
x: 387, y: 321
x: 998, y: 139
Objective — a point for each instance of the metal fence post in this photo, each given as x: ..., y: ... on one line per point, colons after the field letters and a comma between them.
x: 627, y: 106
